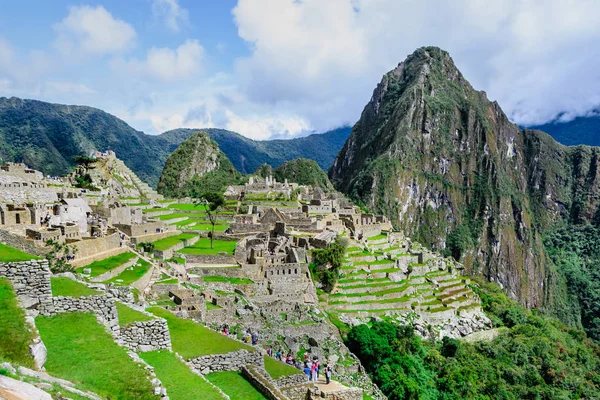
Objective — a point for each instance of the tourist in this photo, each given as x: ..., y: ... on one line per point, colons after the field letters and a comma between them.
x: 307, y: 371
x: 313, y: 372
x: 278, y: 355
x: 254, y: 339
x: 270, y: 352
x: 327, y: 373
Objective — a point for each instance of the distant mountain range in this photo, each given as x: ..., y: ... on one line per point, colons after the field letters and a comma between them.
x: 581, y: 130
x: 47, y: 136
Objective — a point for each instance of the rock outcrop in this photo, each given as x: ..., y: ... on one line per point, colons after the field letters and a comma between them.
x: 450, y: 170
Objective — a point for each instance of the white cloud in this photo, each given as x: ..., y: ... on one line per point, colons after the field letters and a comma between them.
x: 68, y: 87
x: 166, y: 64
x: 262, y: 127
x: 170, y: 13
x: 323, y: 59
x: 93, y: 30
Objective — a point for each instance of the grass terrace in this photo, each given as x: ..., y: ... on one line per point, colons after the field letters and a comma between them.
x: 14, y: 335
x: 131, y: 274
x: 377, y: 237
x: 80, y: 350
x: 211, y: 306
x: 185, y: 207
x: 180, y: 381
x: 167, y: 217
x: 278, y: 369
x: 168, y: 242
x: 235, y: 386
x: 192, y: 340
x: 233, y: 281
x: 128, y: 315
x: 108, y: 264
x: 62, y: 286
x: 202, y: 246
x: 10, y: 254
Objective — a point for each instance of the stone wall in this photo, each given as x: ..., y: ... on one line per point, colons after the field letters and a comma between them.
x: 146, y: 336
x: 144, y: 281
x: 144, y: 229
x: 232, y: 272
x: 90, y: 246
x: 304, y: 391
x: 155, y: 236
x: 101, y: 305
x: 208, y: 259
x: 292, y: 380
x: 22, y: 243
x: 30, y: 280
x: 262, y: 383
x: 233, y: 361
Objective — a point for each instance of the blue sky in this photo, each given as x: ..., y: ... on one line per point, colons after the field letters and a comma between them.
x: 282, y: 68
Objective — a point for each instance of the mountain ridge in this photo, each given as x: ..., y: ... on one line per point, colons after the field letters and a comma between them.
x: 48, y: 136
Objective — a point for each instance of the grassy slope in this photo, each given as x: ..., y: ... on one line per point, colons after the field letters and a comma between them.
x: 131, y: 274
x: 192, y: 340
x: 110, y: 263
x: 234, y: 281
x: 278, y: 369
x: 202, y: 246
x: 168, y: 242
x: 14, y: 336
x: 62, y: 286
x: 80, y: 350
x: 10, y: 254
x: 180, y: 381
x: 235, y: 386
x: 128, y: 315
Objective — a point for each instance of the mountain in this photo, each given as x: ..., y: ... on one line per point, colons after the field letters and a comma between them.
x: 304, y: 172
x: 448, y: 168
x: 247, y: 154
x: 197, y: 166
x: 581, y: 130
x: 48, y: 136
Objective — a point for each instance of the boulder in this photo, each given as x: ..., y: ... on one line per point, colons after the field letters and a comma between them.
x: 39, y: 354
x: 17, y: 390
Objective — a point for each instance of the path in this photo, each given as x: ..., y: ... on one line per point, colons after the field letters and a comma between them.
x: 332, y: 386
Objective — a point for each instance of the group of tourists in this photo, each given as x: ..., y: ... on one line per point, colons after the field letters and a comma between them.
x: 311, y: 367
x: 248, y: 337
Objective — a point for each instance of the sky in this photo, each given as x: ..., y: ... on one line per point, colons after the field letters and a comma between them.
x: 284, y: 68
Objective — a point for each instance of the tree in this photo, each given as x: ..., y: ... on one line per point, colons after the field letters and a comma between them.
x: 57, y: 257
x: 211, y: 201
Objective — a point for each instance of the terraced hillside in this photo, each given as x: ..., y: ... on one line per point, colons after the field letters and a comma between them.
x: 389, y: 276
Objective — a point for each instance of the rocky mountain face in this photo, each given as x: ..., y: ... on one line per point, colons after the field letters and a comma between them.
x: 196, y: 166
x: 48, y: 136
x: 450, y: 170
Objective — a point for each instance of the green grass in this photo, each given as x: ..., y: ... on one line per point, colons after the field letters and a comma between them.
x: 62, y: 286
x: 186, y: 207
x: 377, y: 237
x: 131, y: 274
x: 192, y: 340
x: 235, y: 386
x: 168, y: 242
x: 110, y: 263
x: 180, y: 381
x: 202, y: 246
x: 234, y: 281
x: 172, y: 281
x: 207, y: 227
x: 14, y: 336
x: 211, y: 306
x: 128, y: 315
x: 278, y: 369
x: 80, y: 350
x: 10, y: 254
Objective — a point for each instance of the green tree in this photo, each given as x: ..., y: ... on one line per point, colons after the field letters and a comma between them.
x: 212, y: 202
x: 57, y: 256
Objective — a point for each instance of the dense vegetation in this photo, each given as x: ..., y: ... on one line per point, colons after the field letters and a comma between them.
x: 195, y: 167
x: 533, y: 357
x: 326, y: 263
x: 303, y: 172
x: 575, y: 250
x: 48, y: 136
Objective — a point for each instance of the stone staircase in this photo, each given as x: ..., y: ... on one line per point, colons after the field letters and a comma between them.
x: 143, y: 187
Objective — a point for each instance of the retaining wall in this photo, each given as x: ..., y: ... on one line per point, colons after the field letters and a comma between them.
x: 262, y: 383
x: 292, y: 380
x: 233, y: 361
x: 168, y: 253
x: 30, y: 280
x: 208, y: 259
x: 22, y: 243
x: 101, y: 305
x: 146, y: 336
x: 90, y: 246
x: 114, y: 272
